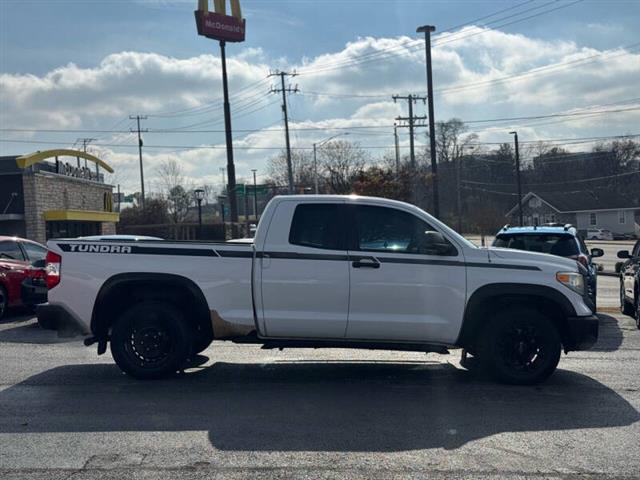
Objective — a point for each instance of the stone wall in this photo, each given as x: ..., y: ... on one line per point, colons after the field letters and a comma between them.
x: 45, y: 191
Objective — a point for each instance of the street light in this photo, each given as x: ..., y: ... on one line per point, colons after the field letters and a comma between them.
x: 199, y: 194
x: 315, y: 157
x: 515, y: 137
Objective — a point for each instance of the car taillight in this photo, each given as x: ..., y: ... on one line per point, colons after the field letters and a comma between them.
x: 52, y: 268
x: 583, y: 260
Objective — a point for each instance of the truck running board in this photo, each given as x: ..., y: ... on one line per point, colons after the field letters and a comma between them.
x: 407, y: 347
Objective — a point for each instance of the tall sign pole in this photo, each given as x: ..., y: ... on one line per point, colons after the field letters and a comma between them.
x: 225, y: 28
x: 427, y: 29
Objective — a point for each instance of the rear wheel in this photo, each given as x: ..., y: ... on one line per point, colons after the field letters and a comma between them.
x: 637, y: 315
x: 4, y: 301
x: 520, y: 346
x: 151, y: 340
x: 625, y: 307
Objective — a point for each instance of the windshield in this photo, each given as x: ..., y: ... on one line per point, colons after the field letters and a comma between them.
x: 554, y: 244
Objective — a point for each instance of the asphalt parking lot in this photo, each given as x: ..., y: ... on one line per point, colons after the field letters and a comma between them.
x: 247, y: 413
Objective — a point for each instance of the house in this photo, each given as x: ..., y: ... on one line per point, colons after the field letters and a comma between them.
x: 601, y: 208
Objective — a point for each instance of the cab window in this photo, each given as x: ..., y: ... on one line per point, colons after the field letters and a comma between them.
x: 381, y: 229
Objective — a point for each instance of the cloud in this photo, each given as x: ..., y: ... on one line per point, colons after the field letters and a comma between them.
x: 479, y: 74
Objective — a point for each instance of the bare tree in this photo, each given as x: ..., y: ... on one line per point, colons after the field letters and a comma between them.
x: 301, y: 163
x: 175, y: 188
x: 341, y: 161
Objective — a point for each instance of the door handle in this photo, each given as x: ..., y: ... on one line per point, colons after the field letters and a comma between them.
x: 365, y: 263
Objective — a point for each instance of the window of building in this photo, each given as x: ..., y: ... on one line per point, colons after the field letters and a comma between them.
x: 317, y: 226
x: 622, y: 217
x: 10, y: 250
x: 552, y: 218
x: 593, y: 219
x: 534, y: 202
x: 381, y: 229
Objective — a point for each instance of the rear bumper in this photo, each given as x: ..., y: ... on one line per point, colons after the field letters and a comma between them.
x: 60, y: 319
x: 33, y: 294
x: 583, y: 332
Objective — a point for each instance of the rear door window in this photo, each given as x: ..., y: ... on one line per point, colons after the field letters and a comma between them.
x: 318, y: 226
x: 561, y: 245
x: 34, y: 252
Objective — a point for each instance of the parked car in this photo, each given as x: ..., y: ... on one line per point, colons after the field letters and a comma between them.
x: 630, y: 282
x: 554, y: 239
x: 18, y: 263
x: 599, y: 234
x: 323, y: 271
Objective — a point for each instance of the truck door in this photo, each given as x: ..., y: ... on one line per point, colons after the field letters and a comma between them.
x: 408, y: 283
x: 305, y: 271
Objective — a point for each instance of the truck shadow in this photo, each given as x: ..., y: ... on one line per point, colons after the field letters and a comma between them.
x: 328, y: 406
x: 610, y: 336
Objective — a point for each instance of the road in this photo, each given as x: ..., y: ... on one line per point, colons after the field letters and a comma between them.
x: 66, y: 413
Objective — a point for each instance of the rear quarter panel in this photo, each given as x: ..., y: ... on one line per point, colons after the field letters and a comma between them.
x: 222, y: 272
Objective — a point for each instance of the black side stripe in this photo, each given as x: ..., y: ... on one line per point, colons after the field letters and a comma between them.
x: 198, y: 252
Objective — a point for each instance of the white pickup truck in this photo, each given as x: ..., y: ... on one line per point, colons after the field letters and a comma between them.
x: 323, y: 271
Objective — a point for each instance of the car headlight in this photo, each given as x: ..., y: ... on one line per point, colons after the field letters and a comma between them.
x: 572, y: 280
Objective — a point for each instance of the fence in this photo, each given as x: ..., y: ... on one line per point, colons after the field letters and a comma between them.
x: 185, y: 231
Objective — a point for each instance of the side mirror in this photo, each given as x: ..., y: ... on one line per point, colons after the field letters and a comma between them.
x: 597, y: 252
x: 624, y: 254
x: 436, y: 244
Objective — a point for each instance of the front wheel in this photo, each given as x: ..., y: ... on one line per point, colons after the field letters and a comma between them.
x: 151, y: 340
x: 520, y: 346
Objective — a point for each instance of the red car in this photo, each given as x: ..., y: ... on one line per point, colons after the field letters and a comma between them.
x: 21, y: 272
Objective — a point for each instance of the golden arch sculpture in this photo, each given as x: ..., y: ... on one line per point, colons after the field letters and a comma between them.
x: 221, y: 7
x: 33, y: 158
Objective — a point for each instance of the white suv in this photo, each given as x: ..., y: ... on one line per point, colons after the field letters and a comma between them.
x: 599, y: 234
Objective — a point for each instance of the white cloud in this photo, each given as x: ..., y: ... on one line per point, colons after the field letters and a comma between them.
x: 469, y: 66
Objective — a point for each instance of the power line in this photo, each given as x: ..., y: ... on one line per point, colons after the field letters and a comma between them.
x: 584, y: 180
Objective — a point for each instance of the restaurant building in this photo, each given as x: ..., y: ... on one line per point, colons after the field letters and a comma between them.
x: 55, y: 194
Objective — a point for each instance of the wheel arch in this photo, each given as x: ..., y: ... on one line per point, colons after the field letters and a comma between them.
x: 123, y: 290
x: 497, y: 296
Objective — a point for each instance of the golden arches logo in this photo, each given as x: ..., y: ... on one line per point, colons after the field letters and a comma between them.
x: 220, y: 7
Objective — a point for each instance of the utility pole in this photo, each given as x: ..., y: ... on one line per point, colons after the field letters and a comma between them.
x: 85, y: 142
x: 284, y: 90
x: 246, y: 207
x: 515, y: 138
x: 140, y: 144
x: 411, y: 122
x: 427, y: 29
x: 397, y: 145
x: 255, y: 195
x: 458, y: 189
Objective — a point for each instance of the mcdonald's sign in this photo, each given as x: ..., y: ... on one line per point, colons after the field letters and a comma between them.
x: 217, y: 24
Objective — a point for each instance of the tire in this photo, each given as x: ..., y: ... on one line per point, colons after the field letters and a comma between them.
x: 201, y: 342
x: 151, y: 340
x: 520, y: 346
x: 637, y: 315
x: 4, y: 302
x: 625, y: 307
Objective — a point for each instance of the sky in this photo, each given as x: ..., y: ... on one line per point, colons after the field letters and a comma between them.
x: 72, y: 69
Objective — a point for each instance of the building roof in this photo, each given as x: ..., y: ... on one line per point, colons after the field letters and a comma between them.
x: 571, y: 202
